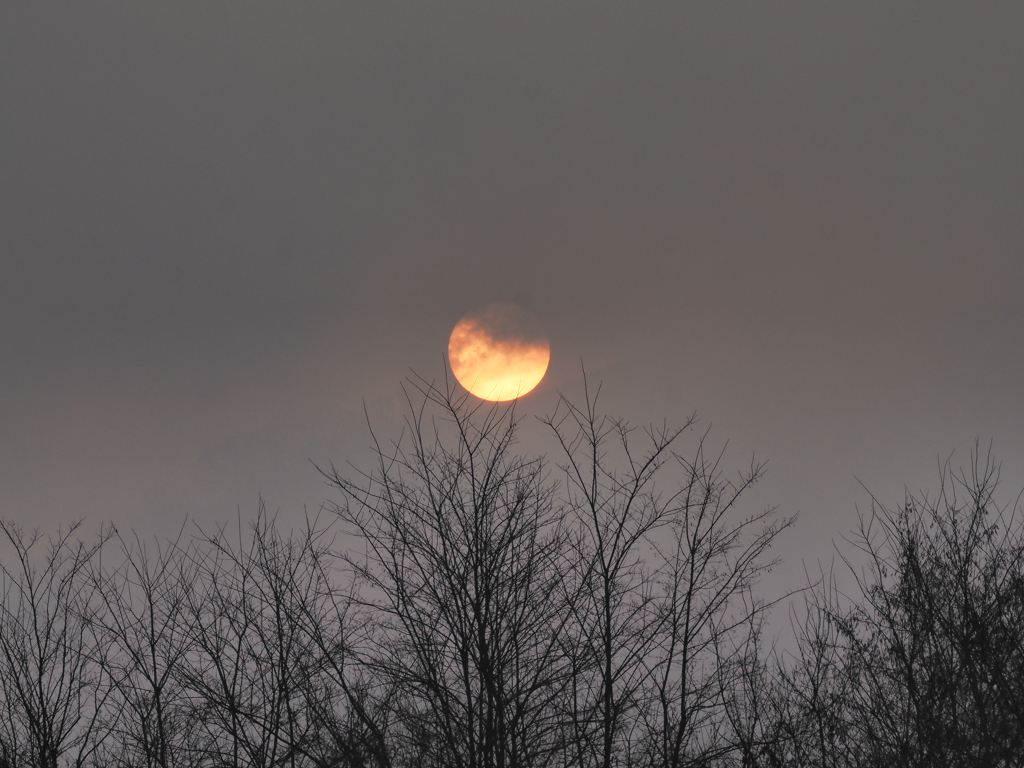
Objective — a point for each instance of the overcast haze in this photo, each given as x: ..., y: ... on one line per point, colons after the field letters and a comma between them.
x: 224, y: 226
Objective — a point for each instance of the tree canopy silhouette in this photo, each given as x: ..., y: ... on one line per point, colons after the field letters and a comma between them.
x: 463, y: 603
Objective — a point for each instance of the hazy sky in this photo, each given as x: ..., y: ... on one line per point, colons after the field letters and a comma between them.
x: 223, y: 226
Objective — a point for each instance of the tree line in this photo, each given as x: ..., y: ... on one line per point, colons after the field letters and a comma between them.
x: 462, y: 604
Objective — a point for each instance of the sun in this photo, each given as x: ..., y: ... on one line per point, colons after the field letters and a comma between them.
x: 499, y: 352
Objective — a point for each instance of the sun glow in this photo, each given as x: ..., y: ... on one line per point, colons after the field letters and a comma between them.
x: 499, y: 353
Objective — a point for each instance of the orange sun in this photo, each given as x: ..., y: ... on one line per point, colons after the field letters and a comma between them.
x: 499, y: 352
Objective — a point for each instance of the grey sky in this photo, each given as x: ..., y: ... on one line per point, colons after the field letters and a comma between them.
x: 222, y: 226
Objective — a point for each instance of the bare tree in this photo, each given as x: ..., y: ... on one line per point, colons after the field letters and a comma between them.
x: 463, y: 550
x: 611, y: 597
x: 750, y: 719
x: 813, y: 684
x: 482, y: 616
x: 55, y: 693
x: 709, y: 633
x: 664, y: 613
x: 350, y: 705
x: 251, y: 664
x: 146, y: 629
